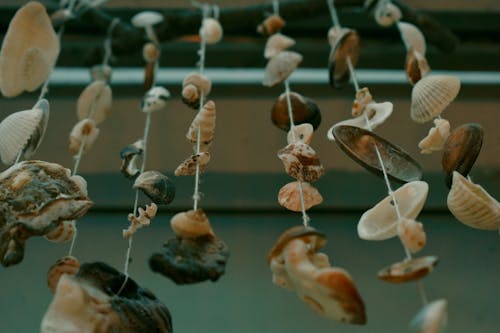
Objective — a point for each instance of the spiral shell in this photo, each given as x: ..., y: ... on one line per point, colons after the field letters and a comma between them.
x: 280, y: 67
x: 363, y: 98
x: 431, y: 318
x: 289, y: 196
x: 412, y: 234
x: 277, y: 43
x: 94, y: 102
x: 301, y: 162
x: 211, y: 30
x: 156, y: 186
x: 193, y: 85
x: 205, y: 121
x: 304, y: 110
x: 416, y: 66
x: 412, y: 37
x: 434, y: 141
x: 63, y: 233
x: 431, y: 95
x: 66, y: 265
x: 84, y: 132
x: 271, y: 25
x: 408, y: 270
x: 300, y: 133
x: 386, y: 13
x: 346, y: 47
x: 150, y: 52
x: 191, y: 224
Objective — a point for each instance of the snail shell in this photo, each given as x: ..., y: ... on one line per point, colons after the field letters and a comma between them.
x: 211, y: 30
x: 386, y: 13
x: 408, y: 270
x: 412, y: 37
x: 188, y: 166
x: 300, y: 133
x: 416, y: 66
x: 156, y: 186
x: 271, y: 25
x: 191, y: 224
x: 192, y: 87
x: 149, y: 75
x: 289, y: 196
x: 412, y: 234
x: 304, y: 110
x: 63, y: 233
x: 301, y: 162
x: 277, y: 43
x: 84, y: 132
x: 280, y: 67
x: 150, y: 52
x: 66, y: 265
x: 346, y: 45
x: 434, y: 141
x: 205, y: 121
x: 94, y: 102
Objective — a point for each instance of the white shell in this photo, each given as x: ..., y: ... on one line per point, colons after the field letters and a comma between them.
x: 302, y: 133
x: 431, y: 318
x: 386, y: 14
x: 412, y: 37
x: 280, y: 67
x: 289, y: 196
x: 211, y: 30
x: 155, y: 99
x: 63, y: 233
x: 205, y: 120
x: 434, y: 141
x: 381, y: 221
x: 95, y: 102
x: 146, y: 18
x: 412, y: 234
x: 472, y: 205
x: 84, y: 130
x: 431, y: 95
x: 277, y: 43
x: 335, y: 34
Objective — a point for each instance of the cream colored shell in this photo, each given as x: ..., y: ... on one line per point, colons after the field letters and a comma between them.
x: 431, y: 318
x: 63, y: 233
x: 191, y: 224
x: 211, y: 30
x: 205, y: 121
x: 188, y: 166
x: 412, y: 37
x: 280, y: 67
x: 95, y: 102
x: 83, y: 133
x: 301, y: 133
x: 277, y: 43
x: 434, y: 141
x: 412, y: 234
x: 386, y: 13
x: 289, y: 196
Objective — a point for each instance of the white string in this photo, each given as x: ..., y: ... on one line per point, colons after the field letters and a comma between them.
x: 276, y: 7
x: 108, y: 51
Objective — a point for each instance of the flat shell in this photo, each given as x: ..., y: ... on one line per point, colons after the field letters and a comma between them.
x: 408, y: 270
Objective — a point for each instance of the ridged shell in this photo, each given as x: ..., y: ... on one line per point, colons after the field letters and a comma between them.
x: 156, y: 186
x: 304, y: 110
x: 472, y: 205
x: 155, y: 99
x: 300, y: 133
x: 381, y: 221
x: 66, y: 265
x: 386, y: 13
x: 431, y: 95
x: 277, y: 43
x: 412, y: 234
x: 408, y: 270
x: 95, y: 102
x: 63, y: 233
x: 363, y: 98
x: 192, y: 87
x: 188, y: 166
x: 211, y: 30
x: 84, y: 132
x: 434, y: 141
x: 416, y: 66
x: 412, y: 37
x: 346, y: 46
x: 150, y: 52
x: 280, y: 67
x: 101, y: 73
x: 205, y: 121
x: 301, y: 162
x: 271, y: 25
x: 191, y: 224
x: 289, y: 196
x: 431, y: 318
x: 130, y: 159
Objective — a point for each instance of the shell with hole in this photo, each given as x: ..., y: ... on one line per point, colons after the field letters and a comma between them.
x: 280, y: 67
x: 416, y: 66
x: 277, y: 43
x: 386, y: 13
x: 289, y: 196
x: 345, y: 49
x: 304, y: 110
x: 412, y: 37
x: 62, y: 233
x: 434, y: 141
x: 155, y: 99
x: 271, y: 25
x: 205, y: 122
x: 431, y: 318
x: 211, y: 30
x: 408, y: 270
x: 82, y: 136
x: 300, y: 133
x: 130, y: 156
x: 193, y: 86
x: 188, y: 166
x: 191, y: 224
x: 66, y: 265
x: 95, y: 102
x: 156, y: 186
x: 301, y: 162
x: 412, y: 234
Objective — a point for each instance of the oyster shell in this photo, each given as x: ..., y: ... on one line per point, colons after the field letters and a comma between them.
x: 346, y: 46
x: 280, y: 67
x: 211, y: 30
x: 301, y: 162
x: 66, y: 265
x: 304, y: 110
x: 434, y: 141
x: 130, y: 159
x: 205, y: 121
x: 95, y: 102
x: 431, y: 318
x: 271, y: 25
x: 188, y: 166
x: 156, y: 186
x: 289, y: 196
x: 408, y: 270
x: 84, y: 132
x: 62, y: 233
x: 277, y: 43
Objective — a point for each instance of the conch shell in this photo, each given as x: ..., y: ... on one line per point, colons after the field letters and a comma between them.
x: 188, y: 166
x: 63, y: 233
x: 271, y: 25
x: 95, y: 102
x: 280, y: 67
x: 277, y: 43
x: 193, y: 86
x: 211, y: 30
x: 83, y: 133
x: 205, y: 121
x: 434, y: 141
x: 66, y: 265
x: 301, y: 162
x: 289, y: 196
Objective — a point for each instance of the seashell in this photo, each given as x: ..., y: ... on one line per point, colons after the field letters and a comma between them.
x: 335, y: 34
x: 142, y: 220
x: 188, y: 166
x: 191, y: 224
x: 150, y: 52
x: 431, y: 95
x: 412, y: 37
x: 312, y: 237
x: 205, y: 121
x: 412, y: 234
x: 101, y: 73
x: 63, y: 233
x: 289, y: 196
x: 82, y: 136
x: 434, y: 141
x: 156, y: 186
x: 416, y: 66
x: 211, y: 30
x: 359, y: 145
x: 130, y: 159
x: 277, y: 43
x: 146, y: 19
x: 431, y: 318
x: 66, y: 265
x: 60, y: 17
x: 149, y: 75
x: 97, y: 300
x: 386, y: 13
x: 301, y: 162
x: 346, y: 47
x: 280, y: 67
x: 461, y: 150
x: 193, y: 86
x: 300, y: 133
x: 155, y: 99
x: 29, y: 50
x: 94, y: 102
x: 59, y: 197
x: 271, y: 25
x: 304, y: 110
x: 408, y: 270
x: 363, y: 98
x: 472, y: 205
x: 381, y: 221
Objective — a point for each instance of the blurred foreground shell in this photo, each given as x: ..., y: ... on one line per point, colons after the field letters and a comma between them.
x: 346, y: 47
x: 101, y: 73
x: 271, y: 25
x: 150, y: 52
x: 301, y: 162
x: 63, y: 233
x: 95, y: 102
x: 84, y: 132
x: 408, y: 270
x: 359, y: 145
x: 416, y: 66
x: 146, y: 18
x: 472, y: 205
x: 412, y: 234
x: 60, y: 17
x: 211, y: 30
x: 35, y: 197
x: 130, y: 159
x: 188, y: 166
x: 412, y: 37
x: 280, y: 67
x: 277, y: 43
x: 363, y: 98
x: 300, y: 133
x: 29, y: 50
x: 304, y: 110
x: 434, y: 141
x: 155, y: 99
x: 386, y: 13
x: 193, y: 86
x: 93, y: 301
x: 289, y: 196
x: 66, y: 265
x: 205, y: 121
x: 431, y: 318
x: 191, y: 224
x: 156, y: 186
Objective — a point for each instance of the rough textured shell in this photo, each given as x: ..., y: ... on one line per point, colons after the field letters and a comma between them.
x: 146, y: 18
x: 205, y: 121
x: 301, y: 162
x: 191, y: 224
x: 346, y: 46
x: 188, y: 166
x: 130, y: 159
x: 386, y: 13
x: 363, y: 98
x: 156, y: 186
x: 280, y: 67
x: 155, y: 99
x: 66, y: 265
x: 277, y: 43
x: 431, y: 318
x: 271, y: 25
x: 472, y: 205
x: 84, y: 132
x: 434, y: 141
x: 412, y: 37
x: 304, y: 110
x: 416, y: 66
x: 412, y: 234
x: 408, y: 270
x: 63, y: 233
x: 211, y: 30
x: 95, y: 102
x: 289, y: 196
x: 300, y: 133
x: 380, y: 222
x: 431, y: 95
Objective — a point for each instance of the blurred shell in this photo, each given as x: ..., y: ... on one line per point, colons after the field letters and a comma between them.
x: 346, y: 46
x: 37, y: 136
x: 434, y: 141
x: 86, y: 132
x: 271, y: 25
x: 150, y: 52
x: 416, y: 66
x: 363, y: 98
x: 289, y: 196
x: 211, y: 30
x: 472, y: 205
x: 461, y: 150
x: 101, y: 73
x: 156, y: 186
x: 301, y: 162
x: 143, y: 219
x: 130, y: 159
x: 95, y: 102
x: 408, y: 270
x: 386, y: 13
x: 188, y: 166
x: 412, y: 234
x: 192, y: 87
x: 149, y: 75
x: 61, y: 16
x: 412, y: 37
x: 63, y: 233
x: 146, y: 18
x: 280, y: 67
x: 304, y: 110
x: 300, y: 133
x: 29, y: 50
x: 66, y: 265
x: 277, y: 43
x: 381, y: 221
x: 205, y: 121
x: 431, y: 318
x: 191, y: 224
x: 431, y: 95
x: 155, y: 99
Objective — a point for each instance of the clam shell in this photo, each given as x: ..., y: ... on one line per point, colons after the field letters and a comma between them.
x: 412, y: 37
x: 205, y: 121
x: 472, y: 205
x: 84, y: 132
x: 211, y: 30
x: 271, y: 25
x: 346, y: 46
x: 289, y: 196
x: 304, y: 110
x: 150, y: 52
x: 155, y: 99
x: 412, y: 234
x: 381, y: 221
x: 461, y: 150
x: 359, y: 145
x: 192, y: 87
x: 188, y: 166
x: 386, y: 13
x: 408, y: 270
x: 63, y: 233
x: 101, y: 73
x: 94, y: 102
x: 280, y: 67
x: 363, y: 98
x: 431, y: 95
x: 66, y: 265
x: 301, y: 162
x: 191, y: 224
x: 156, y: 186
x: 277, y: 43
x: 416, y: 66
x: 130, y: 159
x: 431, y: 318
x: 300, y: 133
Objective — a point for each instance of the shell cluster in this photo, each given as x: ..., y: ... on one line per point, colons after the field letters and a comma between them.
x: 304, y: 110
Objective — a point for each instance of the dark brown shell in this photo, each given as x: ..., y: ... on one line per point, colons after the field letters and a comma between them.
x: 304, y: 110
x: 346, y: 46
x: 149, y: 75
x: 308, y: 234
x: 415, y: 68
x: 408, y: 270
x: 359, y: 143
x: 271, y: 25
x: 461, y: 150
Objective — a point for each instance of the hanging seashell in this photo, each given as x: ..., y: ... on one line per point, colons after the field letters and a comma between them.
x: 431, y: 95
x: 276, y: 44
x: 94, y: 102
x: 271, y: 25
x: 130, y: 159
x: 412, y: 37
x: 381, y: 221
x: 472, y: 205
x: 301, y: 162
x: 155, y: 99
x: 149, y: 76
x: 191, y: 224
x: 63, y: 233
x: 434, y: 141
x: 300, y: 133
x: 416, y: 66
x: 461, y: 150
x: 205, y: 121
x: 408, y: 270
x: 289, y: 196
x: 412, y: 234
x: 146, y: 19
x: 29, y: 50
x: 66, y: 265
x: 188, y: 166
x: 143, y: 220
x: 101, y: 73
x: 431, y: 318
x: 156, y: 186
x: 363, y: 98
x: 346, y: 47
x: 150, y: 52
x: 193, y: 86
x: 386, y: 13
x: 82, y: 136
x: 280, y: 67
x: 304, y: 110
x: 211, y: 30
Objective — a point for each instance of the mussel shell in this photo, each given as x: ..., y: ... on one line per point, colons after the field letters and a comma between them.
x: 359, y: 143
x: 408, y: 270
x: 304, y: 110
x: 156, y: 186
x: 461, y: 150
x: 338, y: 69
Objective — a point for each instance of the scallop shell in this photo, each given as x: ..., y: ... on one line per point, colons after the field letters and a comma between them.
x: 280, y: 67
x: 381, y: 221
x: 66, y: 265
x: 191, y: 224
x: 101, y: 73
x: 346, y: 46
x: 431, y: 95
x: 95, y: 102
x: 416, y: 66
x: 63, y: 233
x: 386, y: 13
x: 277, y: 43
x: 211, y: 30
x: 412, y: 234
x: 300, y: 133
x: 408, y: 270
x: 304, y: 110
x: 205, y: 121
x: 156, y: 186
x: 150, y: 52
x: 188, y: 166
x: 84, y: 132
x: 289, y: 196
x: 412, y: 37
x: 130, y: 159
x: 363, y: 98
x: 271, y: 25
x: 434, y: 141
x: 431, y: 318
x: 301, y: 162
x: 193, y: 86
x: 155, y: 99
x: 472, y: 205
x: 335, y: 34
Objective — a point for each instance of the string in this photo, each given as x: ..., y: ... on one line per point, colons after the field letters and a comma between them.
x: 108, y: 51
x: 276, y: 7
